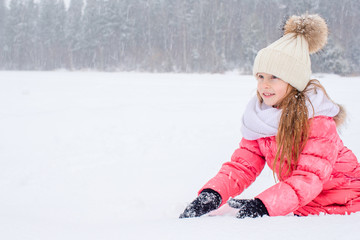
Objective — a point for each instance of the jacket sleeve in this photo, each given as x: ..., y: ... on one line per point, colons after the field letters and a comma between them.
x: 314, y: 168
x: 246, y: 164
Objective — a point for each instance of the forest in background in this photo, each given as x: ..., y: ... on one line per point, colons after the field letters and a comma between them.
x: 166, y: 35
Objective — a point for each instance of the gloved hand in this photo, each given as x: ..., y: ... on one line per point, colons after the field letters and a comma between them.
x: 248, y: 207
x: 207, y: 201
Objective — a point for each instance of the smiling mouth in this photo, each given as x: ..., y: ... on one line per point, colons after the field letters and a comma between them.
x: 268, y: 94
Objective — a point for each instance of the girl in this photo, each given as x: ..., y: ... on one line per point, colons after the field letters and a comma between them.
x: 292, y: 126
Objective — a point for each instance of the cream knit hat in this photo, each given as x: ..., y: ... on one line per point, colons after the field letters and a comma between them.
x: 288, y: 58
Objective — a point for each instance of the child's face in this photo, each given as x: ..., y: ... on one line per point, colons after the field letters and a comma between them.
x: 271, y: 88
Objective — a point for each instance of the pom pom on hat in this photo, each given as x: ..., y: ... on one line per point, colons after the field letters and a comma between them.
x: 312, y: 27
x: 289, y: 57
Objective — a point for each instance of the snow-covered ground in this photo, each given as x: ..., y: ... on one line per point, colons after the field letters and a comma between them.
x: 88, y: 155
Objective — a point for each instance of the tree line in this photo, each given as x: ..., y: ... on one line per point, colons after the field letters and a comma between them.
x: 165, y: 35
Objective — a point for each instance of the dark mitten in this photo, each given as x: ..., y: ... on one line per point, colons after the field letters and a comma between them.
x: 207, y: 201
x: 249, y: 207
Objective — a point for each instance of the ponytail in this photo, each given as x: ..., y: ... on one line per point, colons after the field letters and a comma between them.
x: 292, y: 132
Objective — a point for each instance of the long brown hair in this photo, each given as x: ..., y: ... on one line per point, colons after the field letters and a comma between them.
x: 294, y: 127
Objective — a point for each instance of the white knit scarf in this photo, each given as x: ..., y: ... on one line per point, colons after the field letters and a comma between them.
x: 260, y: 120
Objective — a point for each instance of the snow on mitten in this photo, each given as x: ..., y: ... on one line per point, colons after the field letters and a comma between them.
x: 207, y: 201
x: 249, y: 207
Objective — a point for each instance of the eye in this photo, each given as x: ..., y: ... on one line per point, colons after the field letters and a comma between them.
x: 274, y: 77
x: 259, y: 76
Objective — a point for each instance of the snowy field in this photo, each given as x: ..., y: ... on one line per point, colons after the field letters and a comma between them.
x: 89, y: 155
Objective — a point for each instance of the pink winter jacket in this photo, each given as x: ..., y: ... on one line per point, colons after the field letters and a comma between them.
x: 326, y: 179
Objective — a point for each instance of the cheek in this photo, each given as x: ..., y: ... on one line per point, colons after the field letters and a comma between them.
x: 282, y: 93
x: 282, y: 90
x: 258, y: 90
x: 258, y: 85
